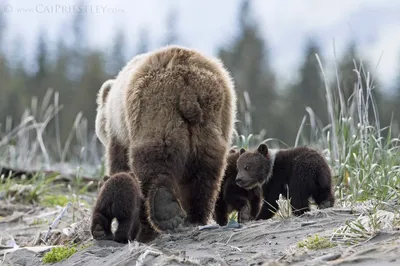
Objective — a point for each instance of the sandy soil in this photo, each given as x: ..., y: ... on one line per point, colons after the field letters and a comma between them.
x: 272, y: 242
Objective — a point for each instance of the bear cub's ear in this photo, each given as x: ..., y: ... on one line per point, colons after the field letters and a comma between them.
x: 242, y: 150
x: 263, y: 149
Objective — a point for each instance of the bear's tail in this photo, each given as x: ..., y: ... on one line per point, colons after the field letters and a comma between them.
x: 104, y: 90
x: 190, y: 108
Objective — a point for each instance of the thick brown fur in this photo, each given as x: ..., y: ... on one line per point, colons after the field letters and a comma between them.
x: 101, y: 99
x: 120, y: 197
x: 173, y: 110
x: 302, y: 170
x: 232, y: 197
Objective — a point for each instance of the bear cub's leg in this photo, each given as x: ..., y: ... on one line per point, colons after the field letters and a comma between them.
x: 101, y: 227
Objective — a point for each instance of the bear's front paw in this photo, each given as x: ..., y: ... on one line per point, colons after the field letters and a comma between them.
x: 166, y: 213
x: 99, y: 233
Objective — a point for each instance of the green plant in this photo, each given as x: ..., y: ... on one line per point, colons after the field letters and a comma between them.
x: 233, y: 216
x: 30, y: 191
x: 30, y: 143
x: 51, y: 200
x: 364, y: 157
x: 315, y: 242
x: 57, y: 254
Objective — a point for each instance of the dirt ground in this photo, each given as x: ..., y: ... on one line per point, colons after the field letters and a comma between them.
x: 271, y: 242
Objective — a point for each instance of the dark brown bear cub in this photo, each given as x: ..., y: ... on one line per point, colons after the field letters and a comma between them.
x: 232, y: 197
x: 303, y: 170
x: 120, y: 197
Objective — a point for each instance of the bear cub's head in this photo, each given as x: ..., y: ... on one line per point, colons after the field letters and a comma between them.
x: 254, y: 167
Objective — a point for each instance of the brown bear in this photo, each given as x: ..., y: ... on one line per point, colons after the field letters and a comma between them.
x: 169, y: 118
x: 302, y: 170
x: 120, y: 197
x: 232, y: 197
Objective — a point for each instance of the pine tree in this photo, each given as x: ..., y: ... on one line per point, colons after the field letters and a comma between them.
x: 247, y: 60
x: 94, y: 75
x: 117, y: 57
x: 308, y: 91
x: 4, y: 72
x: 38, y: 86
x: 351, y: 63
x: 143, y: 43
x: 79, y: 44
x: 171, y: 22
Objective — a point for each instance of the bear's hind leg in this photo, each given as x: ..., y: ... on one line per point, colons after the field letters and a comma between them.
x: 299, y: 201
x: 324, y: 198
x: 204, y: 183
x: 122, y: 234
x: 101, y: 227
x: 322, y: 192
x: 163, y: 206
x: 158, y: 164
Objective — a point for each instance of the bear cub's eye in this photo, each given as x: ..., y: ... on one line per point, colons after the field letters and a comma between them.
x: 247, y: 168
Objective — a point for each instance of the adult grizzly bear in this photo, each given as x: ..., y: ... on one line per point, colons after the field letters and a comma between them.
x: 120, y: 197
x: 169, y: 118
x: 302, y: 169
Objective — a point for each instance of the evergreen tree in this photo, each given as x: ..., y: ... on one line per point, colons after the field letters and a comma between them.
x: 308, y: 91
x: 143, y: 43
x: 247, y: 60
x: 393, y: 106
x: 62, y: 83
x: 79, y: 44
x: 94, y: 75
x: 117, y: 57
x: 348, y: 77
x: 38, y: 86
x: 4, y: 72
x: 172, y: 21
x: 351, y: 63
x: 19, y: 97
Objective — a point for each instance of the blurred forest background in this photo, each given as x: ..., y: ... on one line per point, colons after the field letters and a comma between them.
x: 77, y: 71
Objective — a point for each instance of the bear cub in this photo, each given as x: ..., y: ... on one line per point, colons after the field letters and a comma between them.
x: 302, y: 170
x: 120, y: 197
x: 232, y: 197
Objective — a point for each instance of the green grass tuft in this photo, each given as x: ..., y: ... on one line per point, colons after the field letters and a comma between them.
x: 58, y: 254
x: 28, y: 191
x: 52, y: 200
x: 315, y: 242
x: 233, y: 216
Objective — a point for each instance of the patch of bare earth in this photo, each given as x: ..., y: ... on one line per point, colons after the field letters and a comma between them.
x: 271, y: 242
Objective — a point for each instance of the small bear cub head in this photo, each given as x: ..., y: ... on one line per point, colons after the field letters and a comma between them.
x: 254, y: 167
